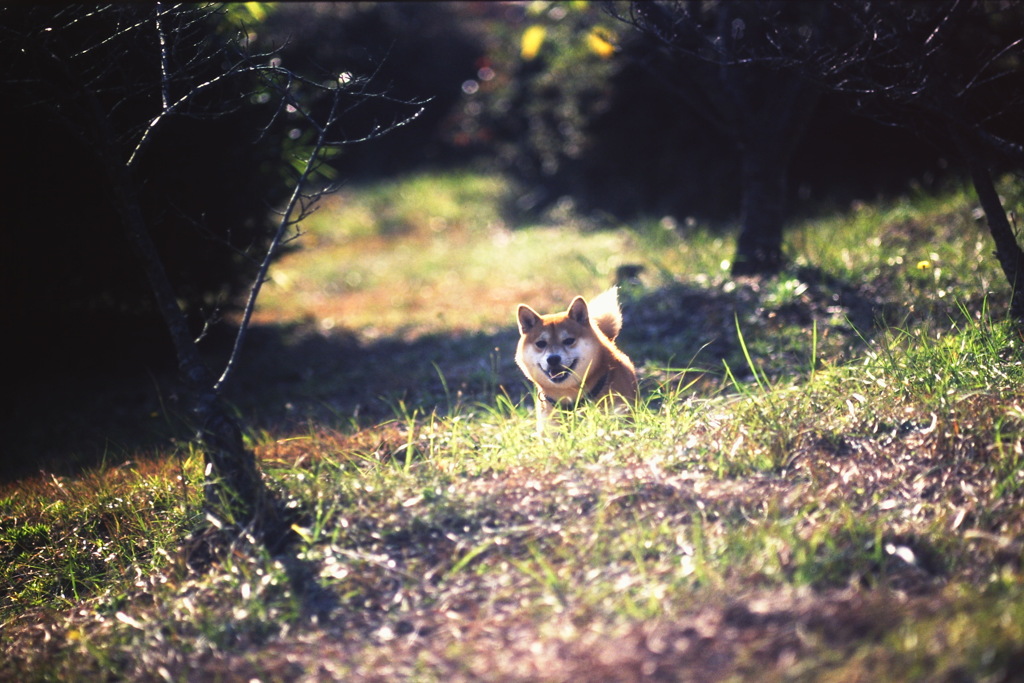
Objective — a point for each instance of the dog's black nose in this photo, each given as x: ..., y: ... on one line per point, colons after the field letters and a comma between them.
x: 554, y: 361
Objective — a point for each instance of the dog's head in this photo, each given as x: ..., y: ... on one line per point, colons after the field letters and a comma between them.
x: 557, y: 351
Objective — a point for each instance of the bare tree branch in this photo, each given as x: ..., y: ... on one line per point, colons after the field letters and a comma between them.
x: 118, y: 75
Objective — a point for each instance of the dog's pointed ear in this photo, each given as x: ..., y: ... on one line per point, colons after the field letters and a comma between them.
x: 527, y: 318
x: 578, y: 311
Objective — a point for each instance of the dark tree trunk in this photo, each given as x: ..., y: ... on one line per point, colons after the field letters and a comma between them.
x: 773, y: 111
x: 764, y: 183
x: 234, y: 488
x: 725, y: 74
x: 233, y: 483
x: 1008, y: 251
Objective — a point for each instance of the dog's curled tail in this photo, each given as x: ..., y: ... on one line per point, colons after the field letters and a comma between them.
x: 605, y: 312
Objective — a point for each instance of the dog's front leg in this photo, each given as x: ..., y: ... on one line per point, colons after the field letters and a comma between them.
x: 546, y: 420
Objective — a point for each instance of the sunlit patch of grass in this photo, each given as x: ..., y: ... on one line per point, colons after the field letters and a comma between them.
x: 428, y: 258
x: 900, y: 233
x: 419, y: 204
x: 64, y: 540
x: 670, y: 251
x: 931, y: 254
x: 939, y: 370
x: 958, y: 636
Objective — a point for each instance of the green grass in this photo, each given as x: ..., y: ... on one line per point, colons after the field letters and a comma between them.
x: 433, y: 254
x: 823, y: 481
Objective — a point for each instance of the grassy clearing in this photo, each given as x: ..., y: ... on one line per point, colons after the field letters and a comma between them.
x: 824, y: 481
x: 432, y: 254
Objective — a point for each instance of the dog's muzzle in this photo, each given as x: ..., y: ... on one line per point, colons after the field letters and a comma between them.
x: 557, y: 372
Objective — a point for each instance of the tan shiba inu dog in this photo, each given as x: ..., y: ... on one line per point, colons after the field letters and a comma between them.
x: 572, y: 355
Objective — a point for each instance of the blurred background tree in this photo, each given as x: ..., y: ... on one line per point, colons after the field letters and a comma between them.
x: 948, y: 71
x: 951, y: 72
x: 617, y: 131
x: 718, y: 64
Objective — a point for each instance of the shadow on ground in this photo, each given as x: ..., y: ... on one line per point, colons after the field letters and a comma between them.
x: 293, y: 375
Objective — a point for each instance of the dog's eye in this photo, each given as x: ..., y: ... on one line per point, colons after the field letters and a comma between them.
x: 568, y: 341
x: 541, y: 344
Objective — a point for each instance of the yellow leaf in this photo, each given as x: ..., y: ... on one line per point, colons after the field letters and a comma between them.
x: 257, y: 10
x: 600, y: 43
x: 533, y: 39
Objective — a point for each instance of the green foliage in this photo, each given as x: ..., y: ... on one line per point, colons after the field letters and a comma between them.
x: 246, y: 14
x: 62, y: 541
x: 549, y: 77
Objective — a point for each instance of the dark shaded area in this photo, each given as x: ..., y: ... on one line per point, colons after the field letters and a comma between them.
x: 842, y: 158
x: 637, y: 136
x: 291, y: 376
x: 82, y: 299
x: 210, y: 182
x: 412, y: 50
x: 847, y: 158
x: 288, y: 376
